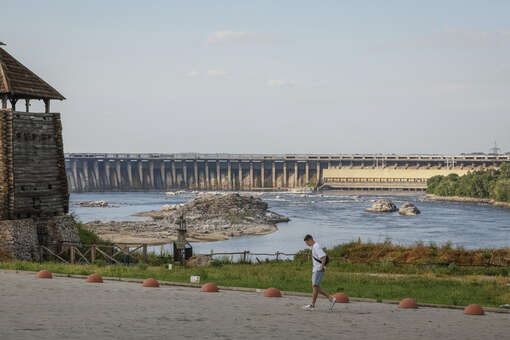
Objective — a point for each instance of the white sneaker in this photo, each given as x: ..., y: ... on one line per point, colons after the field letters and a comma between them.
x: 332, y: 303
x: 309, y: 308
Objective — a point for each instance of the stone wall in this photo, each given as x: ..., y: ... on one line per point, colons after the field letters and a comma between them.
x: 18, y: 239
x: 21, y: 239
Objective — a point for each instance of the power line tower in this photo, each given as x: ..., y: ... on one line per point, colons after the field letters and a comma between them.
x: 495, y: 150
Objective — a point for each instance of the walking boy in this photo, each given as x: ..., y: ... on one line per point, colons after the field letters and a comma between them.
x: 319, y: 259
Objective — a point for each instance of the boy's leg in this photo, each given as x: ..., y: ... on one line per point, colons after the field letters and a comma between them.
x: 323, y: 292
x: 314, y: 295
x: 331, y: 300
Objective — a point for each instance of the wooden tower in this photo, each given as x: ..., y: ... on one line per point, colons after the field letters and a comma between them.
x: 33, y: 183
x: 32, y: 169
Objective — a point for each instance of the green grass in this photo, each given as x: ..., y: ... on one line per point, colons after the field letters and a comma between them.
x: 428, y: 285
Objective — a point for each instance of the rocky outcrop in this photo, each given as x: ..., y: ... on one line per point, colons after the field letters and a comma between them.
x: 408, y: 209
x: 95, y: 204
x: 208, y: 217
x: 229, y: 209
x: 159, y: 214
x: 382, y: 206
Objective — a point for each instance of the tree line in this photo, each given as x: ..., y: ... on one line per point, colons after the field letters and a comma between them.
x: 486, y: 183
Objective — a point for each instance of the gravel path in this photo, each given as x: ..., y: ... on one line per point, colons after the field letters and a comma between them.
x: 65, y: 308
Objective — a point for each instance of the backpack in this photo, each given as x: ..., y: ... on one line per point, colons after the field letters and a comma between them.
x: 327, y: 259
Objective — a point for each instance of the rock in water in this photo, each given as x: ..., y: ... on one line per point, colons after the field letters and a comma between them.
x: 226, y: 210
x: 100, y: 204
x: 408, y: 209
x: 382, y: 206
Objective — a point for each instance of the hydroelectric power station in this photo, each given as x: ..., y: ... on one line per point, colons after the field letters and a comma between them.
x: 99, y: 172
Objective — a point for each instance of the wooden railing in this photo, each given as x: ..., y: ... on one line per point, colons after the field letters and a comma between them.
x: 89, y: 253
x: 122, y: 253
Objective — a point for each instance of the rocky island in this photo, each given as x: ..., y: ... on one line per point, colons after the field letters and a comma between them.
x: 408, y: 209
x: 94, y: 204
x: 208, y: 217
x: 382, y: 205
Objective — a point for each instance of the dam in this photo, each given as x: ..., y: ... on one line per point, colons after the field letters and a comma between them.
x: 103, y: 172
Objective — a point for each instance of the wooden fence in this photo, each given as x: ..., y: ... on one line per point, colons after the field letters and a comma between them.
x: 125, y: 253
x: 116, y: 253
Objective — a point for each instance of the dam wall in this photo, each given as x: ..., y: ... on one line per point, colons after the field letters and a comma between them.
x: 163, y: 172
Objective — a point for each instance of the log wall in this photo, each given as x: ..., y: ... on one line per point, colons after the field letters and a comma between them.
x: 32, y: 167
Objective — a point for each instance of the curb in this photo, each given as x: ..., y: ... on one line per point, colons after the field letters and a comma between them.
x: 255, y: 290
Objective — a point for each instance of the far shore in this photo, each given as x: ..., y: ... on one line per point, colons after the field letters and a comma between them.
x: 462, y: 199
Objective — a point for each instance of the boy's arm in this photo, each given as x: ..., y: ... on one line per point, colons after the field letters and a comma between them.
x: 323, y: 261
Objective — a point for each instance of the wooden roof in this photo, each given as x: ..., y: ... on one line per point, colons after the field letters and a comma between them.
x: 17, y: 81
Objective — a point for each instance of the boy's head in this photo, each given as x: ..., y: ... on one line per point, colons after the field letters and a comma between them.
x: 309, y: 240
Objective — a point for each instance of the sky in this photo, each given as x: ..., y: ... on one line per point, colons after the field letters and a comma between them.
x: 270, y: 76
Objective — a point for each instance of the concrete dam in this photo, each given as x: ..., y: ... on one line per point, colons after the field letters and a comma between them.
x: 161, y: 172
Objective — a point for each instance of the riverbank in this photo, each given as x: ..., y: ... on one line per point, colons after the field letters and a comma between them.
x: 462, y: 199
x: 161, y: 232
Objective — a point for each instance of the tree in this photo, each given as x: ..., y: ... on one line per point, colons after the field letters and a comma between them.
x: 432, y: 184
x: 504, y: 170
x: 501, y: 190
x: 493, y: 183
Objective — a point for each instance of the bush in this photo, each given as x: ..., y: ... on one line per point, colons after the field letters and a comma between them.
x: 100, y: 263
x: 87, y: 236
x: 157, y: 259
x: 452, y: 268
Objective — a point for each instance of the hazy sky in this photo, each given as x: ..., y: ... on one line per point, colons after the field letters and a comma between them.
x: 271, y: 76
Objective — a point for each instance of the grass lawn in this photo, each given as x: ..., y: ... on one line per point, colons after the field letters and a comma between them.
x: 430, y: 284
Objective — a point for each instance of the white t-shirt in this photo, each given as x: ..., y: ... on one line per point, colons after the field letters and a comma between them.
x: 318, y: 253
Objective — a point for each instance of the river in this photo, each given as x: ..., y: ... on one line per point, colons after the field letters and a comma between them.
x: 332, y: 218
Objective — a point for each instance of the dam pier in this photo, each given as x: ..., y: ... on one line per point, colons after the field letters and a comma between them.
x: 95, y: 172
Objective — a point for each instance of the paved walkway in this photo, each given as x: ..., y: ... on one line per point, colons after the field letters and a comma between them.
x: 65, y: 308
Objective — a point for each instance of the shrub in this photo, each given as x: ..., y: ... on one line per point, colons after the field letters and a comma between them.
x: 100, y: 262
x: 87, y: 236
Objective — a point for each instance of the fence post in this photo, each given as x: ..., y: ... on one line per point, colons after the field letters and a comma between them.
x: 41, y: 254
x: 144, y: 251
x: 277, y: 255
x: 92, y: 253
x: 244, y: 256
x: 125, y: 255
x: 72, y: 255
